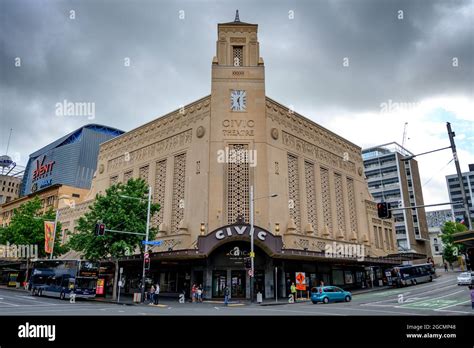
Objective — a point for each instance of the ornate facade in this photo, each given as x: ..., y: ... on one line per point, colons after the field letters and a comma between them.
x: 201, y: 160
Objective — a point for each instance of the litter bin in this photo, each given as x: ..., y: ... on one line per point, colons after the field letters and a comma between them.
x: 137, y: 297
x: 259, y: 297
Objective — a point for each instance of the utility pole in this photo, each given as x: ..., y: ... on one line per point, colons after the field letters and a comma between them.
x: 252, y: 254
x: 146, y: 242
x: 451, y: 135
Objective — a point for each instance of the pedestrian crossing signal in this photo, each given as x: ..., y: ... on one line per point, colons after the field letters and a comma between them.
x: 248, y: 263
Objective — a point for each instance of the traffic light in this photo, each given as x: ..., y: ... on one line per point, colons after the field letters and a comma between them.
x: 147, y: 264
x: 383, y: 210
x: 248, y: 263
x: 100, y: 229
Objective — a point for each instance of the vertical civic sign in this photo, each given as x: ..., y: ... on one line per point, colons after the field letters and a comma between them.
x: 48, y: 236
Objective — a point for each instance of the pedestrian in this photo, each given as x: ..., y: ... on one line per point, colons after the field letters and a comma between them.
x: 293, y: 291
x: 445, y: 266
x: 156, y: 299
x: 199, y: 293
x: 151, y: 294
x: 194, y: 293
x: 471, y: 287
x: 226, y: 295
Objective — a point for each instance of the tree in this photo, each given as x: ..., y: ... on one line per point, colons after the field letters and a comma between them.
x: 27, y: 228
x: 451, y: 251
x: 117, y: 213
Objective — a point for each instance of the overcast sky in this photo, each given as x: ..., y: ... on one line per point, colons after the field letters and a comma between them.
x: 424, y: 60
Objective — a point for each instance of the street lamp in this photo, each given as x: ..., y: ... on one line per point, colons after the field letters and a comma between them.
x: 146, y: 238
x: 252, y: 253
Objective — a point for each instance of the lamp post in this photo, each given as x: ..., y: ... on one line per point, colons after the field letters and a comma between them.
x: 146, y: 238
x: 252, y: 253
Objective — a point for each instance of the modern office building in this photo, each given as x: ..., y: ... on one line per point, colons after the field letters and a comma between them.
x: 455, y: 195
x: 201, y: 162
x: 71, y: 160
x: 435, y: 220
x: 397, y: 181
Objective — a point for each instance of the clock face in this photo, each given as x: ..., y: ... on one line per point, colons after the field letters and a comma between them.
x: 238, y: 100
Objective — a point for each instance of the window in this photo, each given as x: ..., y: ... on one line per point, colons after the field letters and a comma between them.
x: 76, y: 195
x: 237, y: 56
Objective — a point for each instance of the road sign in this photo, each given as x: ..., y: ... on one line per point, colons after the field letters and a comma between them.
x: 152, y: 242
x: 300, y: 281
x: 146, y: 255
x: 252, y: 254
x: 121, y: 269
x: 250, y: 273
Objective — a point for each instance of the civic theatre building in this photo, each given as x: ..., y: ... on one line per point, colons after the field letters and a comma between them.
x: 201, y: 161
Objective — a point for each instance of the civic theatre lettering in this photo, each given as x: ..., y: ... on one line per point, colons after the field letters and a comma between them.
x: 238, y: 128
x: 151, y: 151
x: 240, y: 230
x: 317, y: 153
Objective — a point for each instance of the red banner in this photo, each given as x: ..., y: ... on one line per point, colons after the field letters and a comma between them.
x: 48, y: 236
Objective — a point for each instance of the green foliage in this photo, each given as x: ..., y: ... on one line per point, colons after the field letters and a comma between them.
x: 117, y: 213
x: 451, y: 251
x: 27, y: 228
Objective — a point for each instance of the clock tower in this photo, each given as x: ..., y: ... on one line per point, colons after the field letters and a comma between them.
x: 238, y: 122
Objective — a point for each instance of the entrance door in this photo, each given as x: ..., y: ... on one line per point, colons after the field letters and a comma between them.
x: 238, y: 284
x: 219, y: 280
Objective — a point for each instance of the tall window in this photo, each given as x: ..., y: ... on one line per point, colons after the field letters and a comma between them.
x: 237, y: 55
x: 238, y: 175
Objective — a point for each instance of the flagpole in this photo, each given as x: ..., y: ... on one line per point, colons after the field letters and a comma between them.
x: 54, y: 233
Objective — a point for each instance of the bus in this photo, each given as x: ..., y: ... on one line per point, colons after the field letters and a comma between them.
x: 412, y: 274
x: 63, y: 278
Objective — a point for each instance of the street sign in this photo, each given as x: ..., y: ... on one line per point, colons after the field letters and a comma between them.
x: 121, y: 269
x: 300, y: 281
x: 250, y: 273
x: 146, y: 255
x: 152, y: 242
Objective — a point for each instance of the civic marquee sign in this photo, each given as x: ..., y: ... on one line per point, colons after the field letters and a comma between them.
x: 263, y: 238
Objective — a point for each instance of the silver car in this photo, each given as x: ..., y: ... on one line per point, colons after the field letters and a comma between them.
x: 466, y: 278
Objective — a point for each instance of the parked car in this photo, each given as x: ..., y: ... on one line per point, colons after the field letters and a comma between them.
x: 466, y: 278
x: 326, y: 294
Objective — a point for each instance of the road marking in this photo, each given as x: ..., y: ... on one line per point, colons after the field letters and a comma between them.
x: 432, y: 302
x: 440, y: 309
x: 10, y: 304
x: 289, y: 311
x: 381, y: 311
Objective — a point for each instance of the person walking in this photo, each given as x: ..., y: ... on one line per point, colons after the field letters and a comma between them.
x: 445, y: 266
x: 157, y: 294
x: 151, y: 295
x: 293, y: 291
x: 199, y: 293
x: 226, y: 295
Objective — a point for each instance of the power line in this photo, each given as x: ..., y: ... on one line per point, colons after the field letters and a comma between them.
x: 452, y: 159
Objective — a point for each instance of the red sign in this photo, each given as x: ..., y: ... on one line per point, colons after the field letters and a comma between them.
x: 100, y: 286
x: 42, y: 168
x: 300, y: 281
x: 49, y: 229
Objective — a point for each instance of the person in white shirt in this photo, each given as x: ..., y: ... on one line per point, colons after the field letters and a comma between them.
x: 157, y: 294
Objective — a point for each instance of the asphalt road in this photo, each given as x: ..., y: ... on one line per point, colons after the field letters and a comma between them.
x: 440, y: 297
